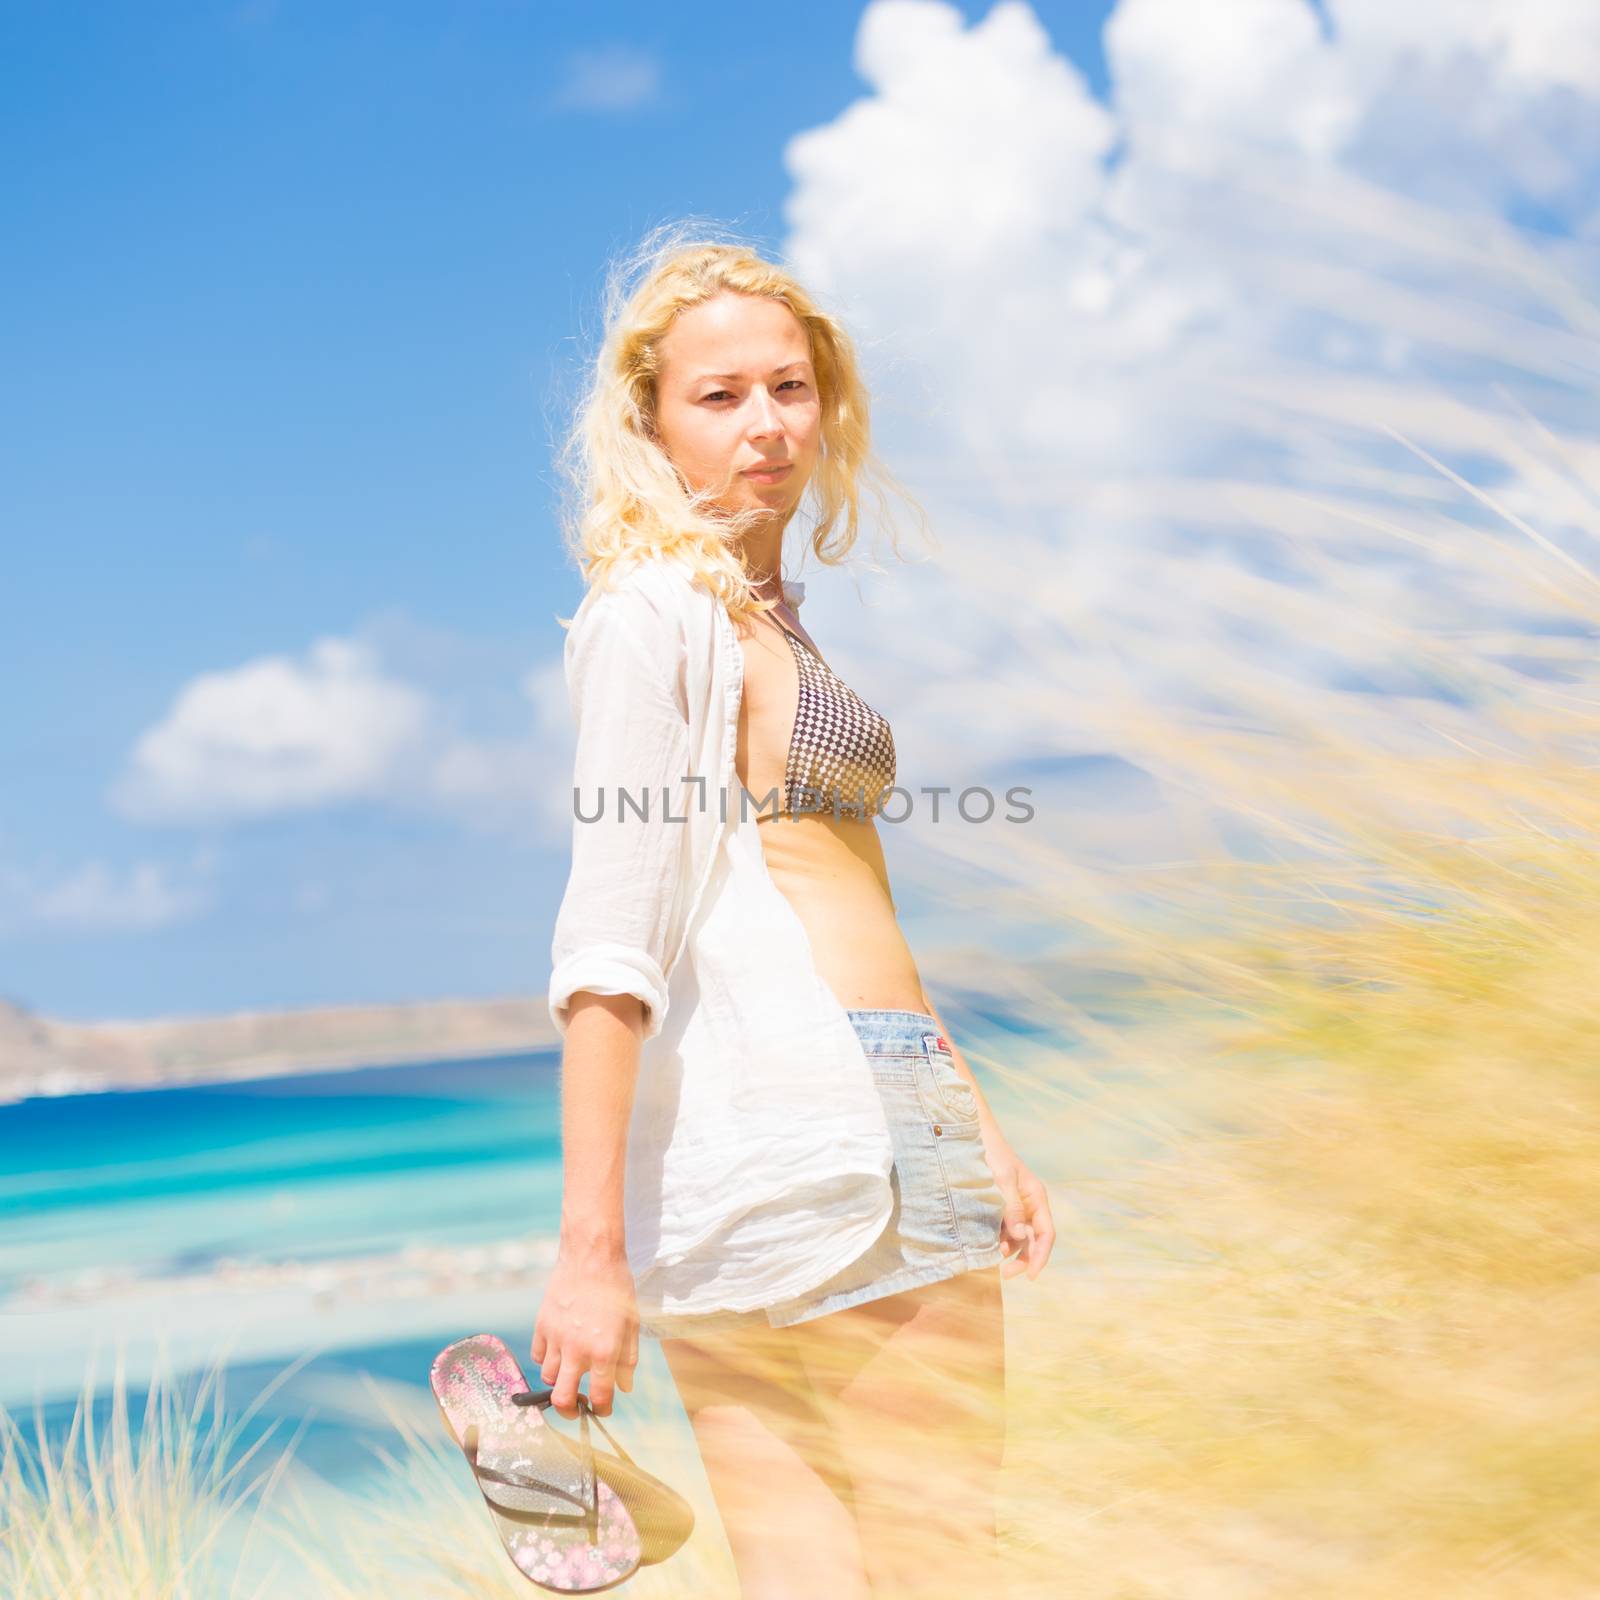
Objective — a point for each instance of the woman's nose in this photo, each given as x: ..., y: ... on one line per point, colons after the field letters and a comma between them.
x: 764, y: 418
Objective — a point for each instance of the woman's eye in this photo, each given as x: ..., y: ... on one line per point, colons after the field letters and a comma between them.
x: 724, y: 394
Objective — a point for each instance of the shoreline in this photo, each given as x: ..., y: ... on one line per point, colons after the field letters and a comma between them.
x: 45, y: 1058
x: 261, y: 1310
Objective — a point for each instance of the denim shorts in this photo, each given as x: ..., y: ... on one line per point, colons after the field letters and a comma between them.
x: 947, y: 1210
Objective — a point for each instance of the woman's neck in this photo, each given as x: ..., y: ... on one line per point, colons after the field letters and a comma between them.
x: 763, y: 560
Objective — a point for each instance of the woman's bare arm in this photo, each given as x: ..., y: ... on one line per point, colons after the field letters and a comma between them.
x: 1028, y: 1231
x: 588, y: 1320
x: 599, y: 1070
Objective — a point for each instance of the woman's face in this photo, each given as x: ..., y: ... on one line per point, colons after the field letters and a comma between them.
x: 736, y: 394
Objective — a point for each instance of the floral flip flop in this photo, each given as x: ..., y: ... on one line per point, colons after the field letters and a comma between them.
x: 561, y: 1522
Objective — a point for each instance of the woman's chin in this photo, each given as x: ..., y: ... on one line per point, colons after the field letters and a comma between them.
x: 776, y: 500
x: 772, y: 503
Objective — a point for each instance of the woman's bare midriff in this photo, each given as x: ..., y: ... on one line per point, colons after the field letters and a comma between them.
x: 830, y: 869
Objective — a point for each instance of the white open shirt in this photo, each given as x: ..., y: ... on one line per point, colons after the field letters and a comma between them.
x: 759, y: 1153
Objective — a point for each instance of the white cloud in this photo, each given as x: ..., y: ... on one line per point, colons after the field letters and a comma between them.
x: 1466, y: 104
x: 283, y: 735
x: 1149, y: 354
x: 276, y: 735
x: 497, y: 785
x: 1256, y: 69
x: 617, y: 78
x: 976, y: 143
x: 96, y: 898
x: 1531, y: 45
x: 545, y: 688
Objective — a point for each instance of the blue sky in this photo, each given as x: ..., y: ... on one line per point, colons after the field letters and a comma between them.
x: 291, y: 299
x: 291, y: 292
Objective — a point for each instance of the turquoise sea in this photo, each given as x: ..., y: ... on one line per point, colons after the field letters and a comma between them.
x: 361, y: 1217
x: 311, y: 1166
x: 370, y: 1215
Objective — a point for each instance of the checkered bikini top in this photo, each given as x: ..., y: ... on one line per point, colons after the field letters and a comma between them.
x: 841, y: 752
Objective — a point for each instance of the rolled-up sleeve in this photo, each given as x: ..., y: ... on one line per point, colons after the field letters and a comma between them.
x: 623, y: 662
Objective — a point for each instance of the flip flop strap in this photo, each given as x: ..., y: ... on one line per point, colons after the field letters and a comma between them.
x: 615, y: 1444
x: 542, y: 1397
x: 518, y: 1480
x: 590, y: 1514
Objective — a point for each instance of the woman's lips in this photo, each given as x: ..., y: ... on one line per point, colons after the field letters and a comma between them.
x: 769, y: 474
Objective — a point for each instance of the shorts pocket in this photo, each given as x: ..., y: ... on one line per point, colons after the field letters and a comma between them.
x: 947, y: 1097
x: 977, y: 1206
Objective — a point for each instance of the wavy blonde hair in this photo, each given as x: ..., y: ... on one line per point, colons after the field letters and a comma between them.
x: 625, y: 497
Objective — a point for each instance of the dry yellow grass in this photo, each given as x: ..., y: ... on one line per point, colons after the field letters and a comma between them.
x: 160, y: 1512
x: 1322, y: 1317
x: 1324, y: 1326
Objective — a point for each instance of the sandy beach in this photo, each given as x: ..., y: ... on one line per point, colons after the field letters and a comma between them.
x: 51, y: 1331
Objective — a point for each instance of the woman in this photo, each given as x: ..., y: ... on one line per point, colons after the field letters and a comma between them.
x: 775, y: 1161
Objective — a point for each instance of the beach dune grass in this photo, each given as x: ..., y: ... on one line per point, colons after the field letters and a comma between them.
x: 1331, y: 1334
x: 1322, y: 1316
x: 162, y: 1511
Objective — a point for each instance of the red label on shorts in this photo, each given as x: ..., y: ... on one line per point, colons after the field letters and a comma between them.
x: 937, y: 1041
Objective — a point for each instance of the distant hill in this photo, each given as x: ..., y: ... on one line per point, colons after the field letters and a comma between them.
x: 43, y: 1056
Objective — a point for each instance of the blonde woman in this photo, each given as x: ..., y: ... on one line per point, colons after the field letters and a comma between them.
x: 775, y: 1160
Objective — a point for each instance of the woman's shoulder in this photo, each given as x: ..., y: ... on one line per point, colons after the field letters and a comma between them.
x: 650, y: 584
x: 665, y: 579
x: 654, y: 600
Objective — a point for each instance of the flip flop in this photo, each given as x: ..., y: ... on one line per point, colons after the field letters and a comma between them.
x: 562, y: 1524
x: 662, y: 1515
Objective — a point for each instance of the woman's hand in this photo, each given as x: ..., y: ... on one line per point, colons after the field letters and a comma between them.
x: 1028, y: 1231
x: 587, y: 1322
